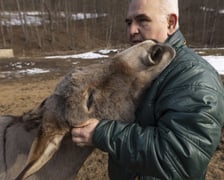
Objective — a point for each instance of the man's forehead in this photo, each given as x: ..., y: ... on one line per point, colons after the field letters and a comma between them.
x: 137, y: 4
x: 136, y: 17
x: 146, y: 7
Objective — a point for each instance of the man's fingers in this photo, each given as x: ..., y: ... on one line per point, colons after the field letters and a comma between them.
x: 83, y: 134
x: 77, y: 134
x: 78, y: 137
x: 85, y: 123
x: 78, y: 141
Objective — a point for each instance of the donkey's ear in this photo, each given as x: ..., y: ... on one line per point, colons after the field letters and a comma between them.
x: 43, y: 148
x: 159, y: 51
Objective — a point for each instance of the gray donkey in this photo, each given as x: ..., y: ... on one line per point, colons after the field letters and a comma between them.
x: 38, y: 145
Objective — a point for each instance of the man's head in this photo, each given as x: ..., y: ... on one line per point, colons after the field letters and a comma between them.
x: 150, y: 19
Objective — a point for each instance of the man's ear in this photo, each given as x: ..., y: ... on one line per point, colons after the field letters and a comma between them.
x: 172, y: 23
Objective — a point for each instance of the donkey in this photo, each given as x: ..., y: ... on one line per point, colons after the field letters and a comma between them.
x: 111, y: 90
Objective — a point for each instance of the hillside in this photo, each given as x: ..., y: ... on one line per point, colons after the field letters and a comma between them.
x: 58, y: 30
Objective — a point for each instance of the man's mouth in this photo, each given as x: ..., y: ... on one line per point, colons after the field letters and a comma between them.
x: 133, y: 42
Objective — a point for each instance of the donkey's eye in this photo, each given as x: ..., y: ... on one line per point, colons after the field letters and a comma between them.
x: 90, y: 99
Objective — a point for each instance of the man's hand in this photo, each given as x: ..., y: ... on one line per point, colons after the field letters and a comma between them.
x: 83, y: 135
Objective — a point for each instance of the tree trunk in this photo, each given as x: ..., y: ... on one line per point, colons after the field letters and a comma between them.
x: 22, y: 20
x: 4, y: 44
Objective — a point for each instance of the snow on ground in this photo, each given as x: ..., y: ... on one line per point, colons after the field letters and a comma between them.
x: 37, y: 18
x: 88, y: 55
x: 206, y: 9
x: 19, y: 73
x: 217, y: 62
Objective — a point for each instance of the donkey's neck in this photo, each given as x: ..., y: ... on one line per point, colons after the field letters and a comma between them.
x: 64, y: 165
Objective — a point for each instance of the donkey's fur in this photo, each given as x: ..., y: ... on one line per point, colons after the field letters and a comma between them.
x: 111, y: 90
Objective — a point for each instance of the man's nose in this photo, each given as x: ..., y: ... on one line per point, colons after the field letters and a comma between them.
x: 133, y: 28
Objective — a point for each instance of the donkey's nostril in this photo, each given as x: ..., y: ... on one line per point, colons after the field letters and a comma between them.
x: 90, y: 99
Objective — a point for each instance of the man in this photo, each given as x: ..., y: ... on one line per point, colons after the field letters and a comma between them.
x: 178, y: 125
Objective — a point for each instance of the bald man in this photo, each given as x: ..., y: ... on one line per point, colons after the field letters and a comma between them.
x: 178, y: 125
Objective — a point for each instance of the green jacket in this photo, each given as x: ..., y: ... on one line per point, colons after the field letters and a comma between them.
x: 178, y: 126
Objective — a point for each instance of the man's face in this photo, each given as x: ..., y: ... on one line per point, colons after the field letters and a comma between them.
x: 145, y: 20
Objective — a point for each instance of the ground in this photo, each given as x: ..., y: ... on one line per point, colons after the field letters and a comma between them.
x: 20, y: 94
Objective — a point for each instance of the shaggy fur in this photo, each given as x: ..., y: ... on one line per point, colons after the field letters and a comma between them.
x: 111, y: 90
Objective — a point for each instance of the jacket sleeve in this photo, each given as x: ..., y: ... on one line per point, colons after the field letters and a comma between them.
x: 189, y: 113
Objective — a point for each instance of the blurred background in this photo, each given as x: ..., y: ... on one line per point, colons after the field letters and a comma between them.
x: 39, y: 26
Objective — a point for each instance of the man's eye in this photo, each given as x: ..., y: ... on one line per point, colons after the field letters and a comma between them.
x: 143, y: 21
x: 128, y: 22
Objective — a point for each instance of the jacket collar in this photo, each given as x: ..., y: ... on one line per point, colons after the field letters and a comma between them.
x: 176, y: 40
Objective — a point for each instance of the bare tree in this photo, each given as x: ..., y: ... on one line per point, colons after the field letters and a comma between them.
x: 58, y: 27
x: 37, y: 32
x: 205, y: 18
x: 48, y: 8
x: 1, y: 25
x: 22, y: 20
x: 216, y: 13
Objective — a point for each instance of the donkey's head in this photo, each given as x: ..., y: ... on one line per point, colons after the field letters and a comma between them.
x: 111, y: 90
